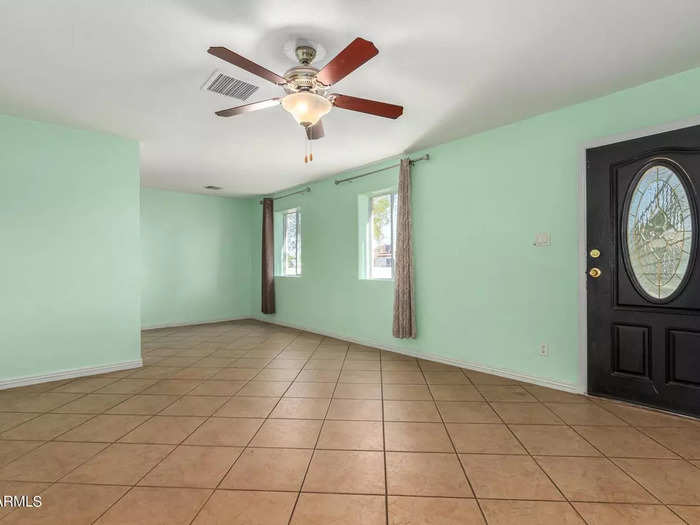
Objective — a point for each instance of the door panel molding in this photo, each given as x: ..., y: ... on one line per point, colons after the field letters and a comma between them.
x: 631, y: 355
x: 683, y: 366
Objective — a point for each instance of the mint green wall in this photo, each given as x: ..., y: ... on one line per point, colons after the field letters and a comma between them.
x: 196, y: 257
x: 69, y: 249
x: 484, y: 294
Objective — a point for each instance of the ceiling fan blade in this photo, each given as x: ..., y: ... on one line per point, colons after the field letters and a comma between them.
x: 316, y: 131
x: 253, y: 106
x: 242, y: 62
x: 381, y: 109
x: 348, y: 60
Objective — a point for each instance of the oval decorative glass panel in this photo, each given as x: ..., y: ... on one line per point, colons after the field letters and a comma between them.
x: 659, y: 232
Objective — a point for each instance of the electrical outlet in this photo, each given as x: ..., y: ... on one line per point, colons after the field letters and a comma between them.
x: 544, y: 350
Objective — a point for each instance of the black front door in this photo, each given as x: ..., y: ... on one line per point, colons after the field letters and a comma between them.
x: 643, y: 282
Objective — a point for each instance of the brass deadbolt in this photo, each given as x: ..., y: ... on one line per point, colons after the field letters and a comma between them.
x: 594, y: 272
x: 595, y: 253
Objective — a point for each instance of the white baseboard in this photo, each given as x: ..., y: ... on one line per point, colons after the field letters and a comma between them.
x: 549, y: 383
x: 69, y: 374
x: 194, y: 323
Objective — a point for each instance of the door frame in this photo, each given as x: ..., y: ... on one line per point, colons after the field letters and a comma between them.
x: 583, y: 241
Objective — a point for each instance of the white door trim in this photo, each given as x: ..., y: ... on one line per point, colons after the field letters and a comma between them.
x: 582, y: 241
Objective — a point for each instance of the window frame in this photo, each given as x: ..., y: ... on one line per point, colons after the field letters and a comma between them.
x: 369, y: 256
x: 283, y: 251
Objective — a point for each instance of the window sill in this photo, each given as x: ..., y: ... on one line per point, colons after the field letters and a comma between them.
x: 288, y: 276
x: 377, y: 279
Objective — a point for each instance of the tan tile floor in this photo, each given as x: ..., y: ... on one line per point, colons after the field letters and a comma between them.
x: 247, y: 423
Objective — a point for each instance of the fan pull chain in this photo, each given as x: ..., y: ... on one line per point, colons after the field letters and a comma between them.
x: 308, y: 150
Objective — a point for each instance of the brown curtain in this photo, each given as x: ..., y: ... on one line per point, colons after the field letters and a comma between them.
x: 404, y: 301
x: 268, y: 257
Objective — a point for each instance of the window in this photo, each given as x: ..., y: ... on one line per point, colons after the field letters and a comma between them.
x: 381, y: 233
x: 291, y: 243
x: 659, y: 232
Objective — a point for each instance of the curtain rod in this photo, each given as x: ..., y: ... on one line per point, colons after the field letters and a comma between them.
x: 413, y: 161
x: 305, y: 190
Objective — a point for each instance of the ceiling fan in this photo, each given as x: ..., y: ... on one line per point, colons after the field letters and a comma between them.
x: 306, y: 88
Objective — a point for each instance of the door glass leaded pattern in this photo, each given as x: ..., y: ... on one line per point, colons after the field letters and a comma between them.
x: 659, y: 232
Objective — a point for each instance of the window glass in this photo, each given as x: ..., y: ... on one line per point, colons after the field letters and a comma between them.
x: 291, y: 245
x: 382, y: 236
x: 659, y: 232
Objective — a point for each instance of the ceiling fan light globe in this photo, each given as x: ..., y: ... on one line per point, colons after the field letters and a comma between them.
x: 306, y: 108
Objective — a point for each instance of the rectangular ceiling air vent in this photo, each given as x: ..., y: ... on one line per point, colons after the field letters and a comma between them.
x: 229, y: 86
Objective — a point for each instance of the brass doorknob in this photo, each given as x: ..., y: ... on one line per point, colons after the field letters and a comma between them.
x: 594, y: 272
x: 595, y: 253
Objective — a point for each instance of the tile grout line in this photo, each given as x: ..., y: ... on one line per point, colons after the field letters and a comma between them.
x: 318, y: 437
x: 54, y: 482
x: 534, y: 460
x: 265, y: 419
x: 612, y: 459
x: 162, y: 460
x: 668, y: 506
x: 602, y: 455
x: 386, y: 474
x: 244, y: 448
x: 202, y: 380
x: 449, y: 436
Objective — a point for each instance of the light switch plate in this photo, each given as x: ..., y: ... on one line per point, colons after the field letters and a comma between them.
x: 542, y: 239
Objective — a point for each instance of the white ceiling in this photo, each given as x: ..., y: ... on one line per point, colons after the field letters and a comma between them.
x: 135, y: 69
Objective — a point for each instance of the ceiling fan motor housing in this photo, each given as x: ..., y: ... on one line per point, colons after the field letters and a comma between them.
x: 303, y: 78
